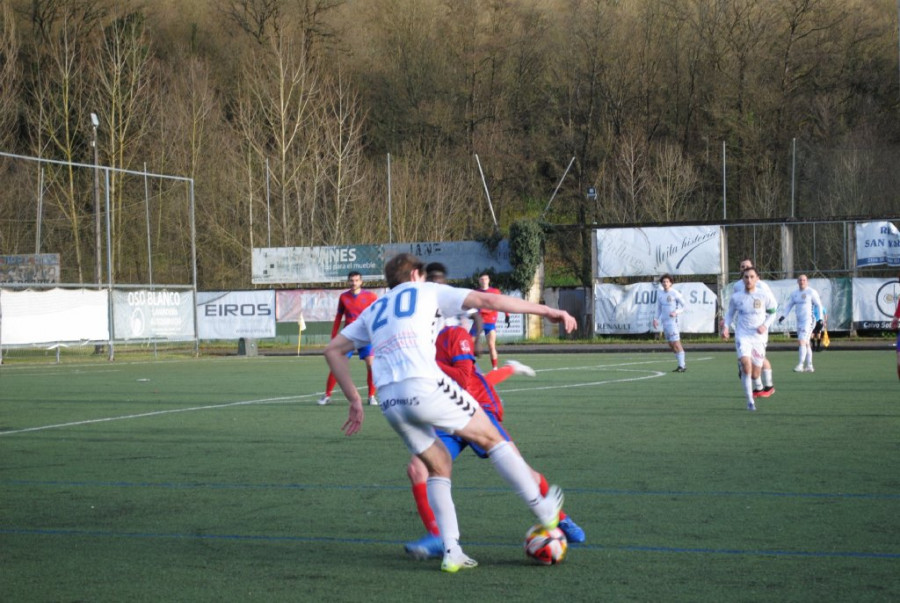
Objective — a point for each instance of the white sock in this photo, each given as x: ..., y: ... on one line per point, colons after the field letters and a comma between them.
x: 767, y: 377
x: 809, y: 355
x: 747, y: 381
x: 757, y: 383
x: 515, y: 471
x: 801, y: 353
x: 679, y: 357
x: 441, y: 501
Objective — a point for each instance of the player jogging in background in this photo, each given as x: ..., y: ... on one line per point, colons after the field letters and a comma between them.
x: 764, y: 385
x: 489, y: 319
x: 350, y: 305
x: 669, y: 304
x: 894, y: 324
x: 753, y: 311
x: 417, y: 397
x: 803, y: 300
x: 455, y: 358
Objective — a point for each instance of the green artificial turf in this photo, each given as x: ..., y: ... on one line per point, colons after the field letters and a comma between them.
x: 222, y: 480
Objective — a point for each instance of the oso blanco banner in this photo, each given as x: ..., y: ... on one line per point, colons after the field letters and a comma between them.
x: 656, y: 251
x: 30, y: 317
x: 235, y: 314
x: 874, y: 302
x: 630, y: 309
x: 877, y: 243
x: 146, y: 314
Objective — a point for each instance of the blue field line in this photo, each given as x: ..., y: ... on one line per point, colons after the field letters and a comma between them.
x: 405, y: 487
x: 399, y: 543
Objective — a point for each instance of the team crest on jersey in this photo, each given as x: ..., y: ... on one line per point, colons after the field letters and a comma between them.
x: 465, y: 347
x: 757, y: 304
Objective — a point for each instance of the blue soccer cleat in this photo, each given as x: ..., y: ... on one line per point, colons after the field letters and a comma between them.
x: 426, y: 547
x: 572, y: 530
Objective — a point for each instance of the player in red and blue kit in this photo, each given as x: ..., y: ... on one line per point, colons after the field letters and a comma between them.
x: 350, y: 305
x: 455, y: 356
x: 489, y: 318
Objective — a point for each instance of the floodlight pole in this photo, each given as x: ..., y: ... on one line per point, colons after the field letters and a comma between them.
x: 486, y: 192
x: 98, y: 267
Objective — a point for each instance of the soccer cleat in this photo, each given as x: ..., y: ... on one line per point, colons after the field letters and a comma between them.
x: 798, y: 368
x: 554, y: 497
x: 519, y: 368
x: 767, y: 391
x: 326, y: 399
x: 680, y: 369
x: 810, y: 369
x: 452, y: 564
x: 751, y: 406
x: 758, y: 393
x: 373, y: 401
x: 429, y: 546
x: 572, y: 530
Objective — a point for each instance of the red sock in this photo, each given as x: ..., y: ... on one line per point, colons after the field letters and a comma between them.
x: 329, y: 384
x: 499, y: 376
x: 370, y: 382
x: 494, y: 363
x: 544, y: 488
x: 420, y: 494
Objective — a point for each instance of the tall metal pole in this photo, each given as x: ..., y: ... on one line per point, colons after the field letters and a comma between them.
x: 793, y: 175
x: 98, y: 249
x: 724, y: 186
x: 40, y: 216
x: 486, y: 192
x: 390, y: 226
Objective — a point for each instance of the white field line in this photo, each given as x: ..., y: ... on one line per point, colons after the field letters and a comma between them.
x: 283, y: 399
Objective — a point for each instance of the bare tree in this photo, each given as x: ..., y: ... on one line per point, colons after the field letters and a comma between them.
x: 673, y: 181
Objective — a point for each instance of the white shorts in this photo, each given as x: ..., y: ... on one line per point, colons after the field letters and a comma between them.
x: 415, y: 407
x: 752, y: 348
x: 804, y: 331
x: 670, y: 330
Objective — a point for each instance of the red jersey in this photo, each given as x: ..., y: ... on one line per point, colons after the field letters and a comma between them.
x: 489, y: 317
x: 455, y: 355
x: 351, y: 306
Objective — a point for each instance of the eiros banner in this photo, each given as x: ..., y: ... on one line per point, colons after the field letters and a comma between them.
x: 235, y: 314
x: 654, y: 251
x: 877, y: 243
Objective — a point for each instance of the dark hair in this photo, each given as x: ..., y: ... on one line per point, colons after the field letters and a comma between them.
x: 666, y: 276
x: 354, y: 273
x: 436, y: 272
x: 399, y: 268
x: 484, y: 273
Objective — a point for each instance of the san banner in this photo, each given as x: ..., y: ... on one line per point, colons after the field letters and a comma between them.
x: 877, y: 243
x: 153, y: 314
x: 630, y: 309
x: 656, y: 251
x: 235, y: 314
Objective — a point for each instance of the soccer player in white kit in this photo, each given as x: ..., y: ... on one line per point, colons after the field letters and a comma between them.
x: 669, y: 304
x: 753, y: 311
x: 763, y: 386
x: 417, y: 397
x: 803, y: 300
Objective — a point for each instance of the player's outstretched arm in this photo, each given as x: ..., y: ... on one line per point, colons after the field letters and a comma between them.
x: 336, y: 357
x: 514, y: 305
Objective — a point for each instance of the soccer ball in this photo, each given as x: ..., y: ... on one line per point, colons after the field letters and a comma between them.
x: 547, y: 547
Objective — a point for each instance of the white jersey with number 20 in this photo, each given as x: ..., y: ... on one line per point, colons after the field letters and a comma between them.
x: 402, y: 327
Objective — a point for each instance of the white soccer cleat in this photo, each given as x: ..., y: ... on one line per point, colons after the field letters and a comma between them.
x: 453, y: 563
x: 751, y: 406
x: 324, y: 400
x: 798, y: 368
x: 810, y: 369
x: 552, y: 504
x: 373, y: 401
x: 520, y: 369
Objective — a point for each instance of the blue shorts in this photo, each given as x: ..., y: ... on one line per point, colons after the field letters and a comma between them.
x: 363, y: 352
x: 489, y: 326
x: 456, y: 444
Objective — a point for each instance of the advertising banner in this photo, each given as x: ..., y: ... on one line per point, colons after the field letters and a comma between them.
x: 146, y: 314
x: 316, y: 305
x: 57, y: 315
x: 630, y: 309
x: 280, y: 265
x: 874, y: 302
x: 30, y: 268
x: 834, y: 293
x: 657, y: 251
x: 235, y: 314
x: 877, y: 243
